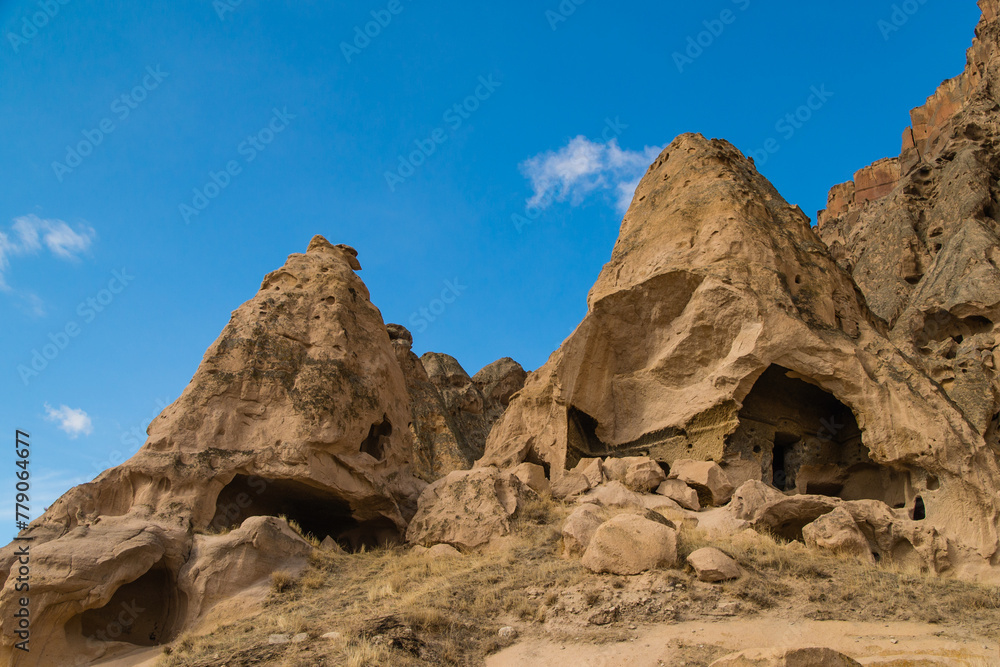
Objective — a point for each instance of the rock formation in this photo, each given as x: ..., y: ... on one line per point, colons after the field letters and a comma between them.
x: 451, y: 413
x: 305, y: 407
x: 725, y: 329
x: 920, y: 234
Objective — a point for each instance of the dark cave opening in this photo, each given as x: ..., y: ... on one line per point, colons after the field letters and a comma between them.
x: 144, y: 612
x: 919, y: 512
x: 582, y: 441
x: 806, y: 441
x: 317, y: 512
x: 377, y: 441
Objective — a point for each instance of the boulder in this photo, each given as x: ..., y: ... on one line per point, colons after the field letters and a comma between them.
x: 569, y: 484
x: 639, y: 473
x: 592, y: 469
x: 533, y: 476
x: 443, y: 551
x: 467, y: 508
x: 613, y: 494
x: 787, y: 516
x: 837, y: 532
x: 748, y: 500
x: 706, y: 477
x: 680, y: 493
x: 579, y: 528
x: 711, y: 565
x: 787, y: 657
x: 630, y: 544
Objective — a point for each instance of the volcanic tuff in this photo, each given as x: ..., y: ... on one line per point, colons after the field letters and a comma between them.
x: 841, y: 378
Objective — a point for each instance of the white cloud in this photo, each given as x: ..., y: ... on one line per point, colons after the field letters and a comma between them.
x: 29, y: 234
x: 73, y: 422
x: 582, y: 167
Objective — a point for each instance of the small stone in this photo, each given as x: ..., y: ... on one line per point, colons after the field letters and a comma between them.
x: 279, y: 639
x: 507, y: 632
x: 331, y: 636
x: 299, y: 638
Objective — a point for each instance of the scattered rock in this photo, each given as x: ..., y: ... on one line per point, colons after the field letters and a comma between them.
x: 706, y: 477
x: 443, y: 551
x: 631, y: 544
x: 332, y: 636
x: 605, y: 616
x: 279, y: 639
x: 639, y: 473
x: 613, y: 494
x: 300, y: 638
x: 507, y: 632
x: 787, y: 657
x: 592, y: 469
x: 467, y: 508
x: 711, y: 565
x: 838, y: 532
x: 579, y: 528
x: 569, y: 484
x: 680, y: 493
x: 751, y: 497
x: 533, y: 476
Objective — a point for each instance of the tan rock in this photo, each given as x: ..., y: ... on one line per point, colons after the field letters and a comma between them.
x: 787, y: 516
x: 639, y: 473
x: 569, y: 484
x: 751, y: 497
x: 467, y: 508
x: 711, y: 565
x: 837, y: 532
x: 579, y: 528
x: 787, y: 657
x: 680, y: 493
x: 630, y: 544
x: 613, y: 494
x: 533, y: 476
x: 706, y: 477
x: 443, y: 551
x: 593, y: 470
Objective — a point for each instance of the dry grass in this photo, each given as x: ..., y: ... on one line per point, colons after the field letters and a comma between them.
x: 452, y: 608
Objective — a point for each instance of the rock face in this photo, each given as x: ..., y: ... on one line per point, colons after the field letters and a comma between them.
x: 837, y: 532
x: 921, y: 237
x: 723, y: 329
x: 304, y: 407
x: 451, y: 413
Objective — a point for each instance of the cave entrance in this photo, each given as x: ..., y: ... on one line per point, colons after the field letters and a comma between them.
x: 378, y: 439
x: 318, y: 512
x: 803, y: 440
x: 144, y: 612
x: 581, y: 438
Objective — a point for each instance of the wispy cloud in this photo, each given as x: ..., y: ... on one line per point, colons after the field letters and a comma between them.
x: 74, y: 422
x: 46, y: 488
x: 583, y: 167
x: 29, y: 235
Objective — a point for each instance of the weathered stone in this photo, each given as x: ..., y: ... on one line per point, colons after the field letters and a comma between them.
x: 680, y: 493
x: 706, y: 478
x: 751, y: 497
x: 787, y: 657
x: 638, y: 473
x: 533, y: 477
x: 467, y: 508
x: 631, y: 544
x: 579, y: 528
x: 569, y: 484
x: 613, y: 494
x: 711, y: 565
x: 593, y: 470
x: 837, y: 532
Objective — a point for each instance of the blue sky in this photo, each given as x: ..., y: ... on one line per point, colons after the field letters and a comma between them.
x: 160, y: 158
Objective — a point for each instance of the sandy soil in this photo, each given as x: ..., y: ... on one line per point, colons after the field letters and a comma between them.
x: 896, y: 644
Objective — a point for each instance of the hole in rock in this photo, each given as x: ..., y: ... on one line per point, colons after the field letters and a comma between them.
x: 933, y: 483
x: 378, y: 439
x: 144, y: 612
x: 317, y: 511
x: 919, y: 512
x: 582, y: 441
x: 807, y: 441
